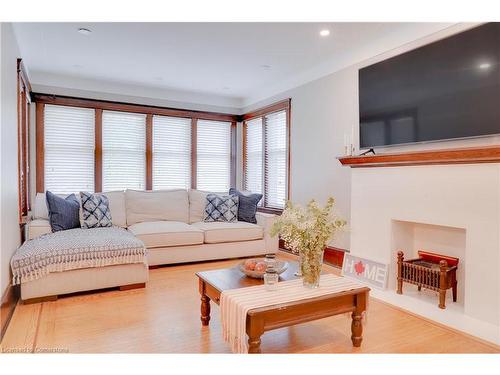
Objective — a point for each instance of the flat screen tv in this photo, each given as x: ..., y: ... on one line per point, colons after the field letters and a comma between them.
x: 445, y: 90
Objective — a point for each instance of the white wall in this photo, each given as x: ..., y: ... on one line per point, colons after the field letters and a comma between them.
x: 10, y: 234
x: 322, y: 112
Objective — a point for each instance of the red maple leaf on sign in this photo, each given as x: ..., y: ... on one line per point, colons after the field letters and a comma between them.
x: 359, y: 268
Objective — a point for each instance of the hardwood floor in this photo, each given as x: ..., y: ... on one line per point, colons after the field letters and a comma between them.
x: 164, y: 318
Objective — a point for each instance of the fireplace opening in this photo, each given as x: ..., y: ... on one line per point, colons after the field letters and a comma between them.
x: 412, y: 237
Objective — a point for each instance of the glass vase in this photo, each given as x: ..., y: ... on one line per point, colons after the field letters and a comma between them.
x: 298, y: 273
x: 312, y: 262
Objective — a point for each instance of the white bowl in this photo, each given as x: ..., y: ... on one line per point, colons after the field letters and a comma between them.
x: 279, y: 265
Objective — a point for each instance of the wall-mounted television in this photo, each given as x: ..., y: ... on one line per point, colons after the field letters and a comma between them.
x: 445, y: 90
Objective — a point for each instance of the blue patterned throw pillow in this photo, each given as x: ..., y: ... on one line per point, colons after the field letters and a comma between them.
x: 221, y: 208
x: 95, y: 211
x: 247, y: 207
x: 64, y: 213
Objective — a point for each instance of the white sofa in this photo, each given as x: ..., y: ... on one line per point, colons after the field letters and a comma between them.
x: 170, y: 223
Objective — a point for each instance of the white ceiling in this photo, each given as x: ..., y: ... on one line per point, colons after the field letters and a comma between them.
x: 238, y: 61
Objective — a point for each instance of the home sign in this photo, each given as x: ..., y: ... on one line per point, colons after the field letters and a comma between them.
x: 368, y: 271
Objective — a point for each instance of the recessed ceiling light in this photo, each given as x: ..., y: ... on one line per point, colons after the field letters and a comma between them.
x: 84, y: 31
x: 324, y: 32
x: 484, y: 65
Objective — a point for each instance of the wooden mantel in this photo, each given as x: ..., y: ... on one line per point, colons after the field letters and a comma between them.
x: 472, y: 155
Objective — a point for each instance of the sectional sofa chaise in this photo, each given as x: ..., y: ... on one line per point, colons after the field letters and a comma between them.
x: 169, y: 223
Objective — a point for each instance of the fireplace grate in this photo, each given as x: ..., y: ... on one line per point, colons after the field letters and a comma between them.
x: 430, y: 270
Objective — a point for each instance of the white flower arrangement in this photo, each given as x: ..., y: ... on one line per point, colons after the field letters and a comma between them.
x: 306, y: 231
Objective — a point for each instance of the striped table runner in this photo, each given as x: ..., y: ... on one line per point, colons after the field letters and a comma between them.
x: 236, y: 303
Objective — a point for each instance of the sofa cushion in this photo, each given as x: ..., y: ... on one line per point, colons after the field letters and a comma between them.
x: 158, y: 205
x: 116, y: 205
x: 166, y: 233
x: 40, y: 210
x: 197, y: 203
x: 217, y: 232
x: 116, y: 201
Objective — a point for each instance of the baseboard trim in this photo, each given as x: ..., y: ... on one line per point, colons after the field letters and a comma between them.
x: 8, y: 305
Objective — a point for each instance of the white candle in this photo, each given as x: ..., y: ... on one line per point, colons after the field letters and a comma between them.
x: 353, y: 149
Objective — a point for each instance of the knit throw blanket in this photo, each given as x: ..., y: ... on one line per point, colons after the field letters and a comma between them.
x: 74, y: 249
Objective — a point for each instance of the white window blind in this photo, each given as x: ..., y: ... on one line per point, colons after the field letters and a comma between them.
x: 253, y: 176
x: 275, y: 160
x: 171, y: 152
x: 123, y: 151
x: 69, y: 134
x: 213, y: 156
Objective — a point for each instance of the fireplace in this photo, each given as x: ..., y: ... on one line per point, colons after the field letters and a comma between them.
x: 447, y: 209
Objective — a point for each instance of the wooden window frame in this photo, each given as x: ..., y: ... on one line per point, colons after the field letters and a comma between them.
x: 150, y: 111
x: 149, y: 151
x: 284, y: 105
x: 23, y: 141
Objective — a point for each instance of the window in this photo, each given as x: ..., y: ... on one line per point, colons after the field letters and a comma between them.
x: 254, y: 178
x: 123, y: 151
x: 69, y: 149
x: 93, y: 145
x: 213, y: 155
x: 265, y: 150
x: 275, y: 160
x: 171, y: 152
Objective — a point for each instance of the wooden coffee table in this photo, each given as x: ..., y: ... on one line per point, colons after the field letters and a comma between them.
x: 260, y: 320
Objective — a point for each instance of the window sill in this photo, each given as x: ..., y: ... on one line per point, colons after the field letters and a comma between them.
x: 276, y: 211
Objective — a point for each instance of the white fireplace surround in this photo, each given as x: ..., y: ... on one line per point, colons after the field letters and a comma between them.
x: 449, y: 209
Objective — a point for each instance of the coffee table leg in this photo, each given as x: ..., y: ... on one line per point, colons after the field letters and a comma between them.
x: 255, y: 329
x: 356, y: 329
x: 205, y: 305
x: 254, y: 345
x: 205, y: 310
